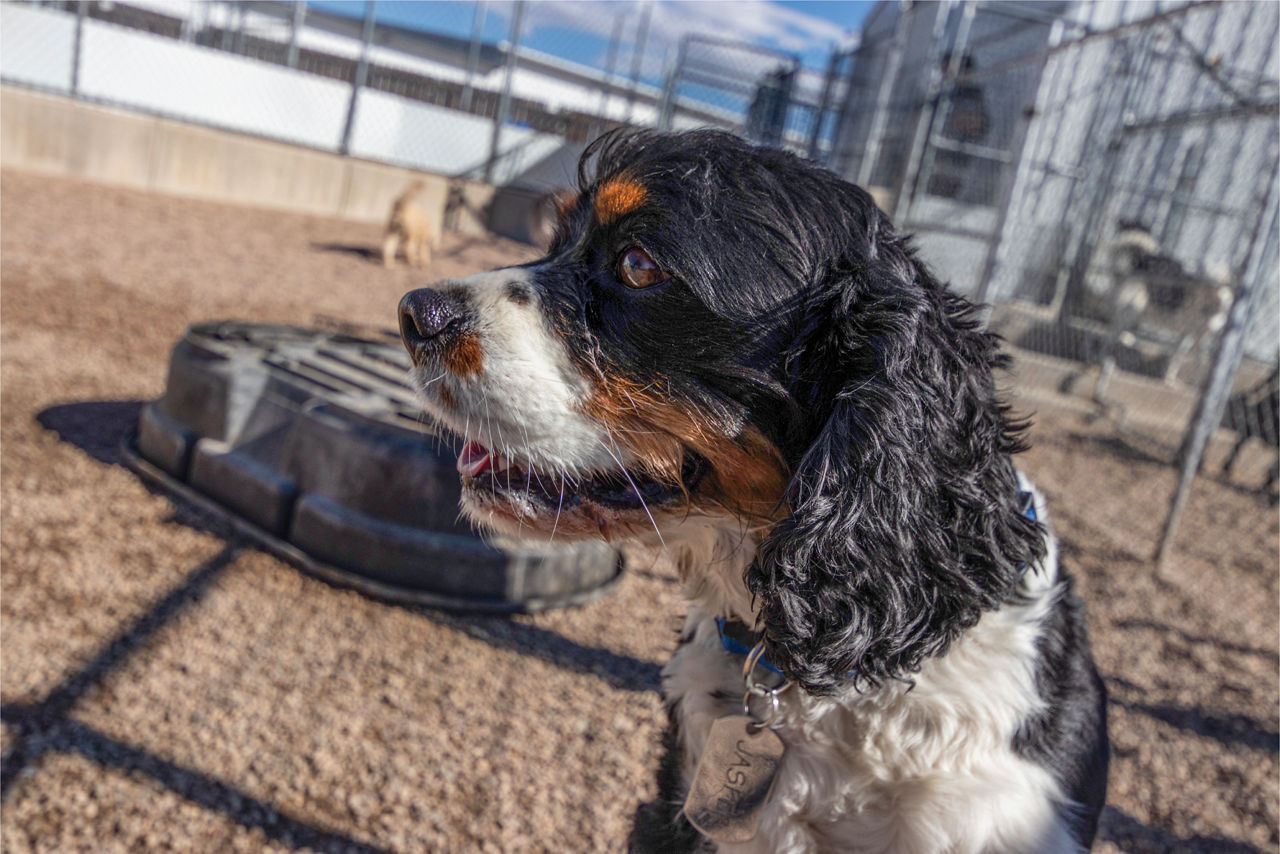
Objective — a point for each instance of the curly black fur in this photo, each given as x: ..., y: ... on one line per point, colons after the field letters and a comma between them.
x: 904, y: 523
x: 809, y: 316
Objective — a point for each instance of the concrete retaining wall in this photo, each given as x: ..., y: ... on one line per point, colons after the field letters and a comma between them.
x: 62, y: 136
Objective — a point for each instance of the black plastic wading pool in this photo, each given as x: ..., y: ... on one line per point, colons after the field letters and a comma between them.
x: 311, y: 443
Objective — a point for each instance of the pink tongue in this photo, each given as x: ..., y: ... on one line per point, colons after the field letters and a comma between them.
x: 474, y: 459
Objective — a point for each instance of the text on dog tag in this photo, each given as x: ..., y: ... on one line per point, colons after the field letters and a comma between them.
x: 734, y: 778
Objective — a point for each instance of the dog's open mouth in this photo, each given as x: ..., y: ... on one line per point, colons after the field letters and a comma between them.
x: 489, y: 475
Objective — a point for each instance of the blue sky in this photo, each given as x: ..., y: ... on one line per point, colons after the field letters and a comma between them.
x: 581, y: 30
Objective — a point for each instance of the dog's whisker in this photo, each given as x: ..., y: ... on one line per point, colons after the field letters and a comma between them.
x: 429, y: 383
x: 555, y: 525
x: 636, y: 490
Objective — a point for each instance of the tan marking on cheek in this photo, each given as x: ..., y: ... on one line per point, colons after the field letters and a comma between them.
x: 619, y: 196
x: 748, y: 475
x: 464, y: 357
x: 446, y: 396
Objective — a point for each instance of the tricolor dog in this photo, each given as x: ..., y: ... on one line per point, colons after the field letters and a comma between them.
x: 731, y: 354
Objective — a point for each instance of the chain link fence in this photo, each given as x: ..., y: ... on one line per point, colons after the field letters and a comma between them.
x: 1102, y: 175
x: 764, y: 95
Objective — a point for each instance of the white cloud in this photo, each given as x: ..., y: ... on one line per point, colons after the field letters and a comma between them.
x: 757, y: 22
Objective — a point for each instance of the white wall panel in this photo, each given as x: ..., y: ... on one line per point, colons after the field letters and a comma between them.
x: 36, y: 46
x: 437, y: 139
x: 186, y: 81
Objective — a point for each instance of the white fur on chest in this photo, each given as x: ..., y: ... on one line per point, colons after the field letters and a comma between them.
x: 927, y: 769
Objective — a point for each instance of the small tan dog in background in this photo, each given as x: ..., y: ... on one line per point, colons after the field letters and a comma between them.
x: 409, y: 225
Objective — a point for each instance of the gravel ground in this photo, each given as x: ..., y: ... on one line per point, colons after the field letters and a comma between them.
x: 166, y: 688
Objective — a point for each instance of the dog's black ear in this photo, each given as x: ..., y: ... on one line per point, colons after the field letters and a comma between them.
x: 904, y: 520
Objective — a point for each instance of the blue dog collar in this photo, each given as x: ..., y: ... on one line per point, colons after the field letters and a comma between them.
x: 737, y: 639
x: 730, y: 635
x: 1027, y: 504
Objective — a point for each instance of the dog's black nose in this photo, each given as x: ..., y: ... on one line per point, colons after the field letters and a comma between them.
x: 424, y: 316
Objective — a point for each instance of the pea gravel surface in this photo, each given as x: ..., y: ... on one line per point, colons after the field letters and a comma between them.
x: 169, y: 688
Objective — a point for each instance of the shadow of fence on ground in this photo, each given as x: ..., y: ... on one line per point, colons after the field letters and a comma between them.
x: 1229, y: 730
x: 98, y: 428
x: 1134, y: 837
x: 45, y: 727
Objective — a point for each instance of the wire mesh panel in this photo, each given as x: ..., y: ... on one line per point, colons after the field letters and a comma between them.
x: 860, y: 140
x: 727, y: 85
x: 765, y: 95
x: 988, y: 78
x: 1099, y: 176
x: 1104, y: 177
x: 983, y: 68
x: 1139, y: 209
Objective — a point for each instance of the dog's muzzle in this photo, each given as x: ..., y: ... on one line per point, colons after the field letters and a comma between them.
x: 427, y: 320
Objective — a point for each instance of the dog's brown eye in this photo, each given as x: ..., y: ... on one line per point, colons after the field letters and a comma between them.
x: 637, y: 270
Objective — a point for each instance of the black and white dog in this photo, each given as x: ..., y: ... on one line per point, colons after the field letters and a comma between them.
x: 730, y: 352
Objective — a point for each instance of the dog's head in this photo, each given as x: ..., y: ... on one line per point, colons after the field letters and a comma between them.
x: 720, y: 330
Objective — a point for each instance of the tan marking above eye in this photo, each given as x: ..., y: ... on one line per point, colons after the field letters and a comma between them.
x: 637, y: 270
x: 619, y: 196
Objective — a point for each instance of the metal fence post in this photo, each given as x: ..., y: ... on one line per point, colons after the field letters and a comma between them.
x: 473, y: 55
x: 504, y: 103
x: 606, y: 82
x: 906, y: 189
x: 940, y: 108
x: 1136, y: 64
x: 667, y: 110
x: 880, y: 116
x: 835, y: 159
x: 362, y: 73
x: 1217, y: 385
x: 1018, y: 145
x: 81, y: 7
x: 815, y: 133
x: 637, y: 56
x: 295, y: 27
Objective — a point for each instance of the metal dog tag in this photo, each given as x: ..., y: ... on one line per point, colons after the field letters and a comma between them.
x: 734, y: 778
